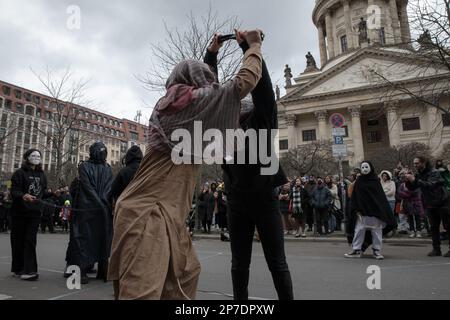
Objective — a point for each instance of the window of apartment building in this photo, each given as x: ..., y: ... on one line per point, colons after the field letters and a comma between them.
x: 6, y: 90
x: 382, y: 35
x: 36, y: 124
x: 36, y: 100
x: 18, y: 94
x: 4, y: 122
x: 19, y: 107
x: 1, y: 102
x: 27, y: 96
x: 344, y: 44
x: 53, y: 105
x: 27, y: 138
x: 284, y: 144
x: 309, y: 135
x: 46, y: 103
x: 374, y: 137
x: 38, y: 112
x: 48, y: 115
x: 19, y: 137
x: 29, y: 111
x: 446, y: 120
x: 8, y: 104
x: 410, y: 124
x: 29, y: 125
x: 134, y: 136
x: 34, y: 138
x: 21, y: 123
x: 133, y: 127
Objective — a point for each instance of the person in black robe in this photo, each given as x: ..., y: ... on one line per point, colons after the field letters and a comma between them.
x: 131, y: 161
x: 252, y: 199
x: 370, y: 212
x: 91, y: 217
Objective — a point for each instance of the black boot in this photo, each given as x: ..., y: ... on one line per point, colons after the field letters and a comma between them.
x: 102, y: 273
x: 436, y: 252
x: 240, y: 284
x: 283, y: 284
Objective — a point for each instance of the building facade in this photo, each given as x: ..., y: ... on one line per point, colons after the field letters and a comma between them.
x: 29, y: 120
x: 361, y: 61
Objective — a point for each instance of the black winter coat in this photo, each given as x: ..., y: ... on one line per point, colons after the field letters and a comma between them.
x: 431, y: 183
x: 133, y: 159
x: 28, y: 181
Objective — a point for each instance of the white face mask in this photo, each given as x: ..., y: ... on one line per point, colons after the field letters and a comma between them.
x: 365, y: 168
x: 35, y: 158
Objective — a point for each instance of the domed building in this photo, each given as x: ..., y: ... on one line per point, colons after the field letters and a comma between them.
x: 365, y: 49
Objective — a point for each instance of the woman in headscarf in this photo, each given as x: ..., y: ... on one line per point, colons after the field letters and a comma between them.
x: 152, y: 254
x: 370, y: 210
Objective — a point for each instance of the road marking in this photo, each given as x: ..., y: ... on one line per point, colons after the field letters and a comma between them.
x: 76, y: 292
x: 4, y: 297
x: 212, y: 256
x: 5, y: 257
x: 417, y: 266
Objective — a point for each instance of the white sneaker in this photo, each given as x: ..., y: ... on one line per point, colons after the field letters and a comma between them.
x: 377, y: 255
x: 303, y: 235
x: 286, y: 233
x: 419, y: 235
x: 29, y: 277
x: 412, y: 235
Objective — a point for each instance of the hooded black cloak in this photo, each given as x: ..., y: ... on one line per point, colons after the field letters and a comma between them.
x: 92, y: 219
x: 369, y: 199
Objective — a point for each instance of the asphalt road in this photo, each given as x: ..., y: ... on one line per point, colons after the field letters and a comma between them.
x: 319, y: 271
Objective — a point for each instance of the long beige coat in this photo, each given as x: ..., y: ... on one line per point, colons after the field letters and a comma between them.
x: 152, y: 255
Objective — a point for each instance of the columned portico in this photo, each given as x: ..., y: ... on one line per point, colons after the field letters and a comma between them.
x: 358, y: 146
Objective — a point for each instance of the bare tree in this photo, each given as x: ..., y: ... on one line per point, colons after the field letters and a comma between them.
x: 404, y: 155
x: 429, y: 59
x: 8, y: 129
x: 65, y: 136
x: 192, y: 43
x: 313, y: 158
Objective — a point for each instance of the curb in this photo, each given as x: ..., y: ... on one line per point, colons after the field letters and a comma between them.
x: 396, y: 241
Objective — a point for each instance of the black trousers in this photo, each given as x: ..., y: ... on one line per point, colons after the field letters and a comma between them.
x: 261, y: 210
x: 23, y: 244
x: 309, y: 215
x: 436, y: 216
x: 322, y: 219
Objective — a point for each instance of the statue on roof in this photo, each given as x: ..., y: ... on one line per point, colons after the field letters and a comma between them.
x: 288, y: 76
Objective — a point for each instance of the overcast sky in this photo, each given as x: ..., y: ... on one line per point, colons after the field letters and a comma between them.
x: 113, y: 43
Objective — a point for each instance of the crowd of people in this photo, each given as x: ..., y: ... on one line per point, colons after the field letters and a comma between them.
x: 133, y: 226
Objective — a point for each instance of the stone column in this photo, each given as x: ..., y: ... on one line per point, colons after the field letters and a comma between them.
x: 321, y: 116
x: 322, y: 45
x: 404, y: 24
x: 348, y: 25
x: 393, y: 124
x: 330, y: 35
x: 291, y: 119
x: 358, y: 145
x: 395, y: 21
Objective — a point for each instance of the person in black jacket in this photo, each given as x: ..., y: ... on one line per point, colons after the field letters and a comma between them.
x: 251, y: 197
x: 131, y: 161
x: 435, y: 198
x: 92, y: 218
x: 29, y: 184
